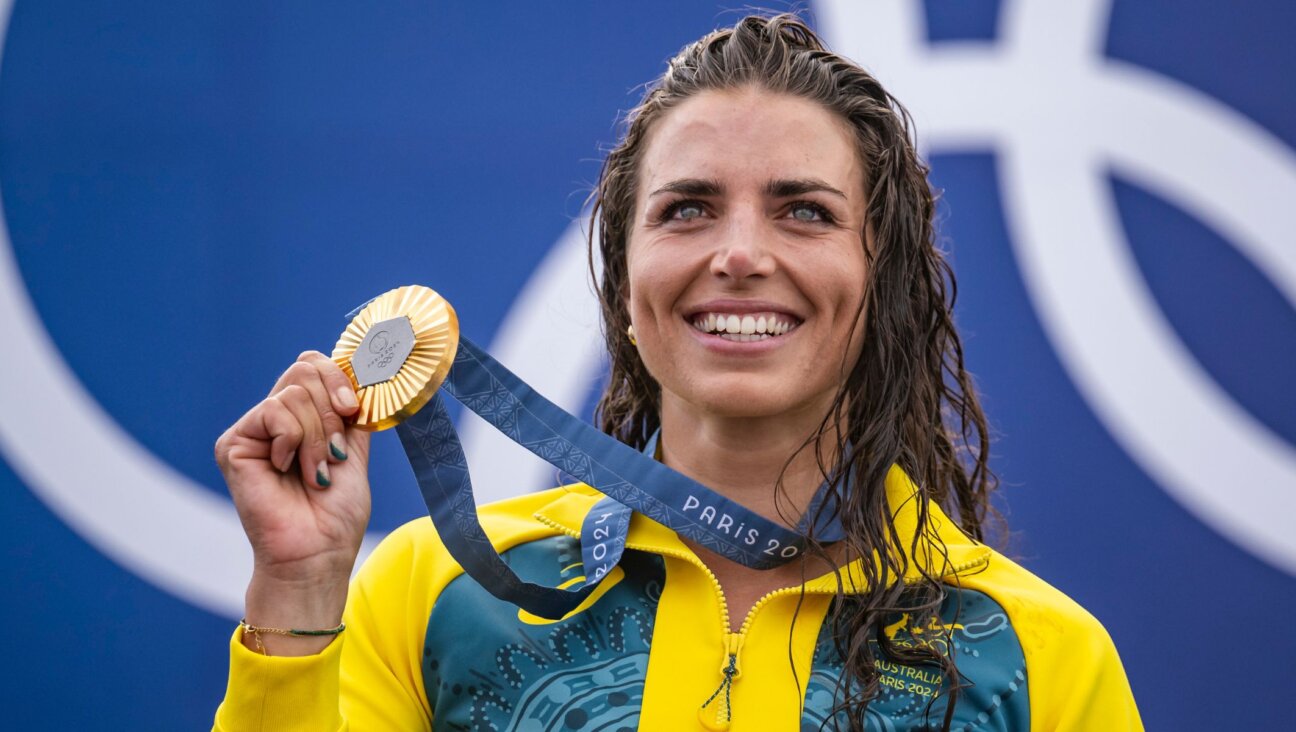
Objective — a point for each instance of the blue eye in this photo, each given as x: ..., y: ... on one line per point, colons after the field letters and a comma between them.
x: 809, y: 212
x: 686, y: 211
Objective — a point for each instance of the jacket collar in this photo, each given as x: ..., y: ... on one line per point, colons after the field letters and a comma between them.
x: 959, y: 555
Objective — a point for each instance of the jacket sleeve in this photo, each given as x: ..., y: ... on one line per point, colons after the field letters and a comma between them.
x: 281, y: 693
x: 370, y: 677
x: 1086, y: 685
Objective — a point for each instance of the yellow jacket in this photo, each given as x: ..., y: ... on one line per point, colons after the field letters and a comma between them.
x: 427, y: 648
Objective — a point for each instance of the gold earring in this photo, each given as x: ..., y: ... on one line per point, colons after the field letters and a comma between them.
x: 630, y: 332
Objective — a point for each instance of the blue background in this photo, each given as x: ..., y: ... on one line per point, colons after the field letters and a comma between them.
x: 238, y: 175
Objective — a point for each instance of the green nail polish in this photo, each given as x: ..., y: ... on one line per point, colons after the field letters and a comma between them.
x: 338, y: 453
x: 322, y: 479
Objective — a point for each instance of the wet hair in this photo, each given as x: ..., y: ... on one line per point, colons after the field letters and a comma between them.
x: 908, y: 400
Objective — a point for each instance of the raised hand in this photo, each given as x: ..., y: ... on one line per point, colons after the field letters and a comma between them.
x: 298, y: 474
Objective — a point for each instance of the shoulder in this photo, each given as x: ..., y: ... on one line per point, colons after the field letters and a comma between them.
x: 1073, y: 669
x: 1042, y: 615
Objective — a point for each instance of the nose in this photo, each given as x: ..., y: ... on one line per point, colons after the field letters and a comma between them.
x: 744, y: 247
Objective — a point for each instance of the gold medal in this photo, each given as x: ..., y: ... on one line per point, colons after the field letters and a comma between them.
x: 397, y: 351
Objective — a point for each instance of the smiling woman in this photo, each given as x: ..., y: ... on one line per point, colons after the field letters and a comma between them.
x: 749, y: 224
x: 780, y: 330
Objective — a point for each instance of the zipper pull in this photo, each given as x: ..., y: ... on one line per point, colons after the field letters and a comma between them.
x: 724, y: 712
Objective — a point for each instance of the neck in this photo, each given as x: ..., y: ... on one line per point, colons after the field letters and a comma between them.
x: 743, y: 458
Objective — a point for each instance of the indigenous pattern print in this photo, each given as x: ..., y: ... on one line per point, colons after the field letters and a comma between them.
x: 489, y: 666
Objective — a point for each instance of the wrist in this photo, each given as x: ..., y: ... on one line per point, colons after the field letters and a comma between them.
x: 287, y: 641
x: 308, y: 604
x: 292, y: 604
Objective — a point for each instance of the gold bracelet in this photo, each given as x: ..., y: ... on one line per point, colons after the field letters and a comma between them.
x: 257, y: 630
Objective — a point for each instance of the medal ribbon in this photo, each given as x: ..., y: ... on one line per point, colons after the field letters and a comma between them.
x: 632, y: 481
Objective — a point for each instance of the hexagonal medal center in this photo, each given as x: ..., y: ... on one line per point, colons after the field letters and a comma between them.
x: 383, y: 351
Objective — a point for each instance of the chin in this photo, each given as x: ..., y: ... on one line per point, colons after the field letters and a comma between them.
x: 735, y: 395
x: 754, y: 401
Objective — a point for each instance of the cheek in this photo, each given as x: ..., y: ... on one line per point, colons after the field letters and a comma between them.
x: 837, y: 281
x: 652, y: 286
x: 842, y: 289
x: 859, y: 303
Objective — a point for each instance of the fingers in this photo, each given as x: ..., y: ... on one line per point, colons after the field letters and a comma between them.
x: 307, y: 376
x: 332, y: 393
x: 333, y: 380
x: 269, y: 431
x: 313, y: 451
x: 304, y: 418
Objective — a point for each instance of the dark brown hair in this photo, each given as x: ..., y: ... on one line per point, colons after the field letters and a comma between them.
x: 908, y: 401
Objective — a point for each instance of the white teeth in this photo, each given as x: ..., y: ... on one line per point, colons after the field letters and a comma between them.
x: 742, y: 328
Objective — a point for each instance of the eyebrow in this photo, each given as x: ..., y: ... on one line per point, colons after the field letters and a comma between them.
x: 799, y: 186
x: 691, y: 187
x: 781, y: 188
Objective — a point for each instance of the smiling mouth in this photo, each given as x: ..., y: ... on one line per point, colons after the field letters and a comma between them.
x: 745, y: 328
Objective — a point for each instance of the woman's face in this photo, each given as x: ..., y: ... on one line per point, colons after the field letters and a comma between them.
x: 746, y: 259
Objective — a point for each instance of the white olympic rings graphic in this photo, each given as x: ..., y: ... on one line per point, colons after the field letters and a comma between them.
x: 1043, y: 78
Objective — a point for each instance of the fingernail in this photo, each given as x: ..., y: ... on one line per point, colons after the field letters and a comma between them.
x: 321, y: 475
x: 336, y: 447
x: 346, y: 397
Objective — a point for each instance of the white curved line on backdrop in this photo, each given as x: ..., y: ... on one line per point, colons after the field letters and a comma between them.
x: 1145, y: 385
x: 551, y: 338
x: 159, y: 524
x: 1126, y: 359
x: 133, y: 507
x: 105, y: 485
x: 1075, y: 31
x: 1228, y: 171
x: 1045, y: 78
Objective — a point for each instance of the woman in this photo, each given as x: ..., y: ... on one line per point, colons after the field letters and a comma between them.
x: 776, y: 311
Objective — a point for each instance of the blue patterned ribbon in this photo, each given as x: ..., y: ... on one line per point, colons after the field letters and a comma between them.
x: 631, y: 481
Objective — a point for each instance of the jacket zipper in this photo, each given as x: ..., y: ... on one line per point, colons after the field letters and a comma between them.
x: 733, y: 641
